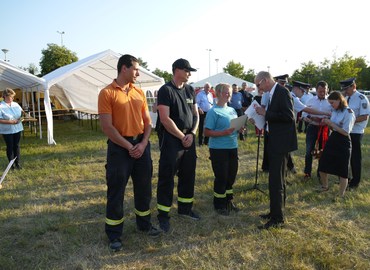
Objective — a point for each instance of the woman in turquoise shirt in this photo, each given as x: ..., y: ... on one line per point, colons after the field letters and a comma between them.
x: 223, y: 148
x: 11, y: 125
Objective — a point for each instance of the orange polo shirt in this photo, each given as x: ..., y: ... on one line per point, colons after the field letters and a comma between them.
x: 127, y: 109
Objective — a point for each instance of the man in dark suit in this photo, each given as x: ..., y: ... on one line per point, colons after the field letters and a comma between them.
x: 282, y: 140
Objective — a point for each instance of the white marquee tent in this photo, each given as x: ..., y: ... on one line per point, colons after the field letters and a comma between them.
x: 77, y: 85
x: 15, y: 78
x: 222, y: 78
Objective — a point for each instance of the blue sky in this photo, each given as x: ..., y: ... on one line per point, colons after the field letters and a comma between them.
x: 259, y: 34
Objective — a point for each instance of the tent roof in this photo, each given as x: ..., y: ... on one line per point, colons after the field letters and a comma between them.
x: 221, y: 78
x: 13, y: 77
x: 99, y: 70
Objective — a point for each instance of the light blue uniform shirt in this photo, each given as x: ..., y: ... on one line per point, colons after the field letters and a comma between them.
x: 12, y: 112
x: 236, y: 100
x: 218, y: 118
x: 298, y: 106
x: 204, y: 101
x: 360, y: 105
x: 344, y: 119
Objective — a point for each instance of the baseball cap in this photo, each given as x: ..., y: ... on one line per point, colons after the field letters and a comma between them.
x: 182, y: 64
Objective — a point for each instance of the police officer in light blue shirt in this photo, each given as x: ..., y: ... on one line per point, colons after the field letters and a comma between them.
x: 335, y: 157
x: 298, y: 92
x: 360, y: 105
x: 11, y: 125
x: 236, y: 102
x: 205, y: 102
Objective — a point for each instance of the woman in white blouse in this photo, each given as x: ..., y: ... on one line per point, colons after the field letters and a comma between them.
x: 11, y: 125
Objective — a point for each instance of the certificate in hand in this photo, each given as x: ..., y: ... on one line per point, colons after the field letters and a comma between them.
x: 259, y: 120
x: 238, y: 123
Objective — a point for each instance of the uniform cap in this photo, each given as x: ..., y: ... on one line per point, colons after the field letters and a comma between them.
x: 347, y: 83
x: 301, y: 85
x: 282, y: 78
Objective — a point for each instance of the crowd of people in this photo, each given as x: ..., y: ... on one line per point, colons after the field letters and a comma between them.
x: 338, y: 119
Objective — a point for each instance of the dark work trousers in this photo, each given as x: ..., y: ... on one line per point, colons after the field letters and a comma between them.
x: 240, y: 112
x: 265, y: 159
x: 225, y: 167
x: 175, y: 159
x: 277, y: 190
x: 311, y: 137
x: 120, y: 166
x: 202, y: 140
x: 13, y: 146
x: 356, y: 159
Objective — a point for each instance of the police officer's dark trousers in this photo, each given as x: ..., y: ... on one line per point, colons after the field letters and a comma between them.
x: 120, y: 166
x: 356, y: 159
x: 175, y: 159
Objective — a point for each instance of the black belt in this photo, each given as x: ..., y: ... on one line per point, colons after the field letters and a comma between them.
x: 134, y: 138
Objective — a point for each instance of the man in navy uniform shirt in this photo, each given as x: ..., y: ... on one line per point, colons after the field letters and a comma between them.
x: 360, y: 105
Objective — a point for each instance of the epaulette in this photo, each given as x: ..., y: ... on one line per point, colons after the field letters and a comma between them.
x: 361, y: 96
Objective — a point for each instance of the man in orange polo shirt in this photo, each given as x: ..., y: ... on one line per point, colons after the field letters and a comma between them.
x: 125, y: 119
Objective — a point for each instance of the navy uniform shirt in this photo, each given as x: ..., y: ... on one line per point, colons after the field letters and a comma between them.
x: 360, y: 106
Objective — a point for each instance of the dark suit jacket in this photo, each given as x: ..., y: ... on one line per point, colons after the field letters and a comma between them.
x: 281, y: 122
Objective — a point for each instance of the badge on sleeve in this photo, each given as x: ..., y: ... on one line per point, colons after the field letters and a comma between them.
x: 364, y: 105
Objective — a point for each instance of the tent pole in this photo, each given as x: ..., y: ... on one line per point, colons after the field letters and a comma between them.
x: 38, y: 107
x: 33, y: 104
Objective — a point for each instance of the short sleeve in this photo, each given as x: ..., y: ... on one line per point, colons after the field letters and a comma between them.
x: 104, y: 106
x: 364, y: 106
x: 210, y: 121
x: 163, y: 96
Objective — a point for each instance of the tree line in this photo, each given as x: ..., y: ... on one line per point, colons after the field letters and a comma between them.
x: 330, y: 70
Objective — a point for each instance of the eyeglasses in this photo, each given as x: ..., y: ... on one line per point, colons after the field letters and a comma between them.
x: 258, y: 84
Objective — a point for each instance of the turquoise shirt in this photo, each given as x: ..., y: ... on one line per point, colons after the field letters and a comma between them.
x: 218, y: 119
x: 12, y: 112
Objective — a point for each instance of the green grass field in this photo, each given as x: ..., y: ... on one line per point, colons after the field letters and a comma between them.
x: 52, y: 215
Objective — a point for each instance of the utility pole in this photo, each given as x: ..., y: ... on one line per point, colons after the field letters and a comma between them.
x: 209, y: 62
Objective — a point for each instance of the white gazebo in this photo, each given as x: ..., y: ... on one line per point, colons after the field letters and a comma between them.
x: 15, y: 78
